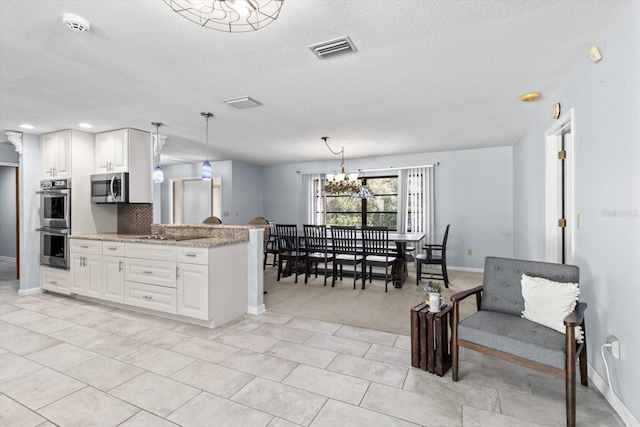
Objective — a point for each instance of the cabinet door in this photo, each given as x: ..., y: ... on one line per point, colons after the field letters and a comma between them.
x: 120, y: 159
x: 103, y: 152
x: 78, y: 273
x: 55, y: 280
x: 93, y: 265
x: 193, y: 290
x: 63, y: 155
x: 113, y: 278
x: 48, y: 155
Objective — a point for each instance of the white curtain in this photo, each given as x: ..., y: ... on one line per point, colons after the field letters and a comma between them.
x: 309, y: 199
x: 416, y: 201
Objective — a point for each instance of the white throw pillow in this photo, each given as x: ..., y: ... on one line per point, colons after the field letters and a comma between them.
x: 547, y: 302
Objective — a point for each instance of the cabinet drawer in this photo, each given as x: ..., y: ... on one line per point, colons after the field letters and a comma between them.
x: 55, y: 280
x: 89, y: 247
x: 149, y: 296
x: 113, y: 248
x: 150, y: 251
x: 161, y: 273
x: 193, y: 255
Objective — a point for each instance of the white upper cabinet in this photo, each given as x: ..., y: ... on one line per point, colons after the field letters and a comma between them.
x: 55, y: 158
x: 112, y: 151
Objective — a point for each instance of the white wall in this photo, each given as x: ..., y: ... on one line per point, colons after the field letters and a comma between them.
x: 29, y: 182
x: 605, y: 97
x: 473, y: 191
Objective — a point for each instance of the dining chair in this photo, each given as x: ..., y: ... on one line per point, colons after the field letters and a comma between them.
x: 345, y: 250
x: 212, y: 220
x: 436, y: 255
x: 375, y: 245
x: 290, y: 254
x: 318, y: 251
x: 272, y: 246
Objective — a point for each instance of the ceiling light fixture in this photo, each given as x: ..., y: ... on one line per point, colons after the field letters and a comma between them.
x: 76, y: 23
x: 340, y: 183
x: 231, y: 16
x: 207, y: 170
x: 531, y: 96
x: 157, y: 175
x: 85, y: 125
x: 27, y: 126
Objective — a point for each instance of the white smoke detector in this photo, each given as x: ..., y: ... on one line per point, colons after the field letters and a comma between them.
x: 76, y: 23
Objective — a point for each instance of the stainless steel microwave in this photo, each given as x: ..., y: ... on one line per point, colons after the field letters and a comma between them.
x: 110, y: 188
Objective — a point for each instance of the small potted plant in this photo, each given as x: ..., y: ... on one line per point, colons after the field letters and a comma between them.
x: 432, y: 292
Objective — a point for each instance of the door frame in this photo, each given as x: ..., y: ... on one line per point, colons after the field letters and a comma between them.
x: 553, y: 136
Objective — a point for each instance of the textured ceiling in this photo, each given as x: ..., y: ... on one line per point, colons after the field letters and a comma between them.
x: 428, y: 75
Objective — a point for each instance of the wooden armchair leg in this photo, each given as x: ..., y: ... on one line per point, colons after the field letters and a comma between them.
x: 570, y: 377
x: 454, y: 343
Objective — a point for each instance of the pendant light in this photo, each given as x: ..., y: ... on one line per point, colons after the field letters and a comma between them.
x: 158, y: 175
x: 207, y: 170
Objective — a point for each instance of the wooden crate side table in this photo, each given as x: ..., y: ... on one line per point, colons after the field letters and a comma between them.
x: 418, y: 335
x: 442, y: 322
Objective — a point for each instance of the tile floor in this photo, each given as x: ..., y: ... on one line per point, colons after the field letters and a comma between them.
x: 69, y: 362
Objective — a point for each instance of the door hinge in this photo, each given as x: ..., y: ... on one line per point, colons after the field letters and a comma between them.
x: 562, y: 222
x: 562, y: 155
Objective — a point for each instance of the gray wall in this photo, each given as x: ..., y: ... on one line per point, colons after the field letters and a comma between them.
x: 473, y: 192
x: 8, y: 235
x: 247, y: 193
x: 605, y: 97
x: 8, y: 153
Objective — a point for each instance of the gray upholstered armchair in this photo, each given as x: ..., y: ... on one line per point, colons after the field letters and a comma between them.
x: 498, y: 329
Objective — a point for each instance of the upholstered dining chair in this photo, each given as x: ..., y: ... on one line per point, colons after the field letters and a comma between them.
x: 502, y: 328
x: 435, y: 255
x: 375, y: 245
x: 318, y: 251
x: 212, y: 220
x: 345, y: 250
x: 290, y: 254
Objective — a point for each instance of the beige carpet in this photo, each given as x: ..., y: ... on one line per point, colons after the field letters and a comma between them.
x: 369, y: 308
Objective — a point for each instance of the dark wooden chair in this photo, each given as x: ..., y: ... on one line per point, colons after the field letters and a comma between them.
x: 271, y: 246
x: 375, y: 245
x: 498, y: 329
x: 212, y: 220
x: 290, y: 255
x: 345, y: 250
x: 318, y: 251
x: 435, y: 255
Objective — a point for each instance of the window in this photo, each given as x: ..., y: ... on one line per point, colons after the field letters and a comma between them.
x: 342, y: 209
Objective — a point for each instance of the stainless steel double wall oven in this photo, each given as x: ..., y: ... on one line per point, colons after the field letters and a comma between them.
x: 55, y: 222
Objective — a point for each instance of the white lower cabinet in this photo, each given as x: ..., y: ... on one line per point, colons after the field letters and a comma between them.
x: 150, y: 271
x: 113, y: 278
x: 159, y: 298
x: 55, y: 280
x: 193, y: 290
x: 86, y: 267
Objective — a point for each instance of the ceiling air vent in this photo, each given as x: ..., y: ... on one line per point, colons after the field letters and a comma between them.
x: 242, y: 102
x: 333, y: 47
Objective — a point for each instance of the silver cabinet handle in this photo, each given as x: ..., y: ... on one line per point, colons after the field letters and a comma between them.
x: 190, y: 255
x: 112, y: 248
x: 84, y: 246
x: 177, y: 272
x: 53, y: 282
x: 147, y: 297
x: 120, y: 263
x: 147, y: 272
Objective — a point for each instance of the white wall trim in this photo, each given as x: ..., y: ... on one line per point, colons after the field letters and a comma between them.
x: 30, y: 291
x: 469, y: 269
x: 623, y: 412
x: 251, y: 309
x: 7, y: 258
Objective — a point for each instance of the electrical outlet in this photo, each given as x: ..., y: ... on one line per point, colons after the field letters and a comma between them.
x: 615, y: 346
x: 469, y: 252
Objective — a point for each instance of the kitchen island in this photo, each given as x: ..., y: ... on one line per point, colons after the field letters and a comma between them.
x: 203, y: 274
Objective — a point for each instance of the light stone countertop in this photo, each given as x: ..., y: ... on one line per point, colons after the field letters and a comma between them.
x: 202, y: 242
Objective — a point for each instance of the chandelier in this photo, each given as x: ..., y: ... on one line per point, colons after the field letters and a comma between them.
x: 232, y: 16
x: 341, y: 183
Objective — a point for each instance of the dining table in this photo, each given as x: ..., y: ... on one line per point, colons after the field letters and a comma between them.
x: 401, y: 240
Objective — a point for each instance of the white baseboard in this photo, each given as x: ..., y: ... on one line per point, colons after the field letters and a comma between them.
x: 603, y: 387
x: 471, y: 270
x: 7, y: 258
x: 256, y: 310
x: 32, y: 291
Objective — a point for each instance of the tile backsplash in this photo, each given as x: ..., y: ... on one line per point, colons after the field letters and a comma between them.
x: 135, y: 218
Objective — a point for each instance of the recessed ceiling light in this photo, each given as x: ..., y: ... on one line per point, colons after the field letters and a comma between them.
x: 242, y: 102
x: 531, y: 96
x: 85, y: 125
x: 27, y: 126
